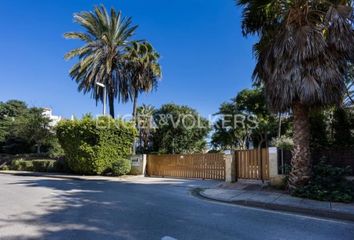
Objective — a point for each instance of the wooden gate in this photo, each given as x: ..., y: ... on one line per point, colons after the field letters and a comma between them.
x: 205, y: 166
x: 252, y: 164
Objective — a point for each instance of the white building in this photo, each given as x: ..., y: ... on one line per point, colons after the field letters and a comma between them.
x: 48, y: 112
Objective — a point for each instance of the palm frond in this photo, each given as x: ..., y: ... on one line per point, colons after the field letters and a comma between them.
x: 303, y: 51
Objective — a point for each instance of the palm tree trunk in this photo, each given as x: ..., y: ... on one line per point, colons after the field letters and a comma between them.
x: 301, y: 160
x: 135, y: 104
x: 111, y: 103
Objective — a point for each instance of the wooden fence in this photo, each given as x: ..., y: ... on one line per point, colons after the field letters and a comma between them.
x: 204, y: 166
x: 252, y: 164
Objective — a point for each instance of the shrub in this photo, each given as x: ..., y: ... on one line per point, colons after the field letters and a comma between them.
x: 328, y: 183
x: 44, y: 165
x: 283, y: 142
x: 38, y: 165
x: 4, y: 168
x: 21, y: 165
x: 121, y: 167
x: 55, y: 150
x: 93, y: 147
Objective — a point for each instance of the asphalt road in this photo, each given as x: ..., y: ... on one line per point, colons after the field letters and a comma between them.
x: 44, y: 208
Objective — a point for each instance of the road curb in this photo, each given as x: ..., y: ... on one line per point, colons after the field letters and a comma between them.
x: 199, y: 192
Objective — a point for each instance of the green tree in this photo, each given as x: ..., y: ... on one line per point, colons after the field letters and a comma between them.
x: 179, y: 129
x: 142, y: 69
x: 231, y: 130
x: 9, y: 112
x: 302, y: 58
x: 226, y: 138
x: 100, y: 59
x: 34, y: 128
x: 254, y: 123
x: 12, y: 108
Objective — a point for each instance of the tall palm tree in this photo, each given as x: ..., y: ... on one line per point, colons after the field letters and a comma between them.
x: 143, y: 70
x: 106, y: 38
x: 302, y: 58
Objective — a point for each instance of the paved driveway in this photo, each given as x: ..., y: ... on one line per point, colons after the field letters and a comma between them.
x: 44, y: 208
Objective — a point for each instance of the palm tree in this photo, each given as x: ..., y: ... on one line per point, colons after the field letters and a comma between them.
x: 142, y: 69
x: 100, y: 58
x: 302, y: 58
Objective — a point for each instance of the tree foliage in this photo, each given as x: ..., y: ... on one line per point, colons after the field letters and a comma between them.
x: 9, y: 111
x: 302, y: 60
x: 142, y: 70
x: 23, y: 128
x: 243, y: 121
x: 332, y: 128
x: 303, y: 50
x: 106, y: 38
x: 34, y: 127
x: 179, y: 129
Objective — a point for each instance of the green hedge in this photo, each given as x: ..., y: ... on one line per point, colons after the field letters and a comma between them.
x: 35, y: 165
x: 21, y: 165
x: 94, y: 146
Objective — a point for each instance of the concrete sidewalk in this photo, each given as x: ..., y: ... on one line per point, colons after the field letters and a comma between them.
x: 280, y: 201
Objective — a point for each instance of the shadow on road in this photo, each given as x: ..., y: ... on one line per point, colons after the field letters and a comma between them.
x: 97, y: 209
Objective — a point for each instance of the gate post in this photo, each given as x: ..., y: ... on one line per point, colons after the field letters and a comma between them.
x: 230, y: 167
x: 138, y: 164
x: 275, y: 178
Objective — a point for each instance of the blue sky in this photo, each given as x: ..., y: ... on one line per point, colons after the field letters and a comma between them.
x: 205, y: 58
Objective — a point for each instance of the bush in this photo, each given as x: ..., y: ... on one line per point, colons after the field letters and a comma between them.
x: 21, y: 165
x: 283, y: 142
x: 121, y: 167
x: 94, y: 147
x: 38, y: 165
x: 4, y: 168
x: 55, y: 150
x: 328, y: 183
x: 44, y: 165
